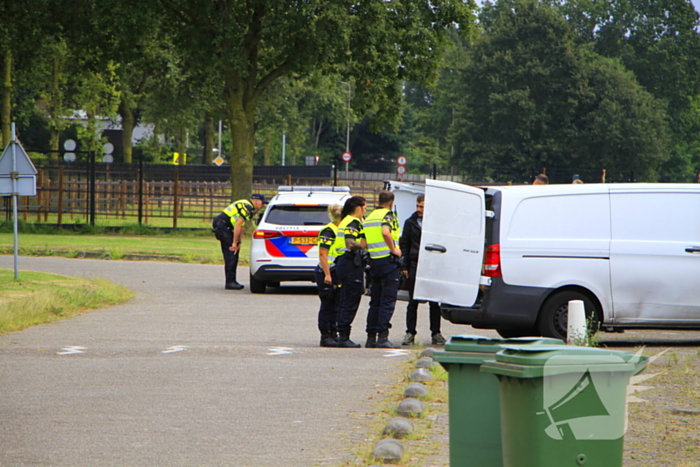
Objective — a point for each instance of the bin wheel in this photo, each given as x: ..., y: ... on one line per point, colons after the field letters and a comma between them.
x: 257, y: 286
x: 553, y: 317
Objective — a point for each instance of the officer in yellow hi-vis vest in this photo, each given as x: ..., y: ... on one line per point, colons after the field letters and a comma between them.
x: 350, y: 267
x: 326, y: 278
x: 228, y: 228
x: 382, y: 234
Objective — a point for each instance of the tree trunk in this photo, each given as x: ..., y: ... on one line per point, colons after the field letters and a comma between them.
x: 209, y: 133
x: 128, y: 123
x: 240, y: 110
x: 6, y: 99
x: 182, y: 144
x: 55, y: 101
x: 267, y: 149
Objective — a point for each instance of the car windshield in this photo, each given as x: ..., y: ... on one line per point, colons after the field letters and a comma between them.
x: 297, y: 215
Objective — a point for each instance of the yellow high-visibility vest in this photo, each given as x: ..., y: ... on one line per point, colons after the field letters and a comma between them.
x: 241, y: 208
x: 332, y: 252
x: 376, y: 245
x: 339, y: 244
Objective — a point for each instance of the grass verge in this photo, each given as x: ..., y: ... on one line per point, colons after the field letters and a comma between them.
x: 38, y: 298
x: 664, y: 429
x: 421, y: 446
x: 192, y: 247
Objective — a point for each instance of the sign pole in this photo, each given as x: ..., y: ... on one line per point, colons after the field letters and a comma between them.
x: 14, y: 176
x: 17, y: 177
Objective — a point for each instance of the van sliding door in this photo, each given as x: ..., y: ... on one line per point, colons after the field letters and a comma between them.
x: 655, y: 256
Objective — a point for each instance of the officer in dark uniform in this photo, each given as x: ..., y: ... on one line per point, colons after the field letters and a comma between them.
x: 382, y: 233
x: 327, y: 279
x: 228, y: 228
x: 349, y: 242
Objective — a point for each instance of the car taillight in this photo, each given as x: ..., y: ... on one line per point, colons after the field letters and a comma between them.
x: 266, y: 234
x: 492, y: 261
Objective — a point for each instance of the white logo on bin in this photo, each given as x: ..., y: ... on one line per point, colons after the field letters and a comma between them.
x: 590, y: 404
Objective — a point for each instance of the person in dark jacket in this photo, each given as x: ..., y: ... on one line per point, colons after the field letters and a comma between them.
x: 410, y: 247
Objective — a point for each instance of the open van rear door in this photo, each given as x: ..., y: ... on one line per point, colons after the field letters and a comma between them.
x: 452, y: 244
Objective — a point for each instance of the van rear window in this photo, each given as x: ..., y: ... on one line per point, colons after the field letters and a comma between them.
x: 280, y: 214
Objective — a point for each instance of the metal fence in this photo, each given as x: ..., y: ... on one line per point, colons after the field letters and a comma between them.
x: 189, y: 196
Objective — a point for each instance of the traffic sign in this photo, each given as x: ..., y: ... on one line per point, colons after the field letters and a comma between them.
x: 346, y: 156
x: 401, y: 160
x: 17, y: 173
x: 401, y: 170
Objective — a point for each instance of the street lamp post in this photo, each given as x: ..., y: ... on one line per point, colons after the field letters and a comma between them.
x: 347, y: 134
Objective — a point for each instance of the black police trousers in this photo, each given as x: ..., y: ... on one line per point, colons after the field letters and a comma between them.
x: 352, y: 285
x: 385, y: 286
x: 224, y: 233
x: 329, y: 295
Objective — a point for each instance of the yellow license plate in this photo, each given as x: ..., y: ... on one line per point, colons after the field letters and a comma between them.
x: 303, y: 240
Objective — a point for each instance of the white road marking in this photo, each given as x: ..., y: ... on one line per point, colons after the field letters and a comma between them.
x: 176, y: 348
x: 396, y: 353
x: 72, y: 350
x: 279, y: 351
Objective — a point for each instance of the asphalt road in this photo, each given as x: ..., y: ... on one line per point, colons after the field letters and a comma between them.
x: 187, y: 374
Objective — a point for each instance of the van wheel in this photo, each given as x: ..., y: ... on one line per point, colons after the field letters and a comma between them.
x: 553, y: 318
x: 257, y: 286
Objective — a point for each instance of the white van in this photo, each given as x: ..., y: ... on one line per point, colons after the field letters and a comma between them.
x: 511, y: 257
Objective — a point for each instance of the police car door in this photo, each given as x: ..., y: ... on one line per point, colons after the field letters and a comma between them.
x: 452, y: 244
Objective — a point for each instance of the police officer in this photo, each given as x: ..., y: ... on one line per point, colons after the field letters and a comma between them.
x: 382, y: 233
x: 326, y: 278
x: 228, y: 228
x: 410, y: 247
x: 349, y: 242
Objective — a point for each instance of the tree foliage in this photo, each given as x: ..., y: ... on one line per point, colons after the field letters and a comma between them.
x: 249, y: 44
x: 534, y: 97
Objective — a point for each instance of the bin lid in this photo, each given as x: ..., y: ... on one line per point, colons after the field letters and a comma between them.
x: 490, y: 345
x: 530, y: 361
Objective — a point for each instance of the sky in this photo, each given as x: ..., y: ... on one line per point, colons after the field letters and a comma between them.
x: 695, y: 2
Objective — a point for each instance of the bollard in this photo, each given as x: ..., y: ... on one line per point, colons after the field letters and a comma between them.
x: 576, y: 330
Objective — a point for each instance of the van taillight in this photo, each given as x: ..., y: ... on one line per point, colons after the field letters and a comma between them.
x: 492, y: 261
x: 266, y: 234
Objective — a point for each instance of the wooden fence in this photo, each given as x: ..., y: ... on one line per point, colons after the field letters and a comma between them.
x: 64, y: 197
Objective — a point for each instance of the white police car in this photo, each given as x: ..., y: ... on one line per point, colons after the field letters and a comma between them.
x: 283, y: 247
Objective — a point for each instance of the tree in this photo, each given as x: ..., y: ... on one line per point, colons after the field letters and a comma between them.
x: 659, y: 40
x: 22, y: 26
x: 534, y: 97
x: 249, y: 44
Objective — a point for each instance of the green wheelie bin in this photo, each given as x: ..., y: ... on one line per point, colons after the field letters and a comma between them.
x: 563, y: 406
x: 475, y: 430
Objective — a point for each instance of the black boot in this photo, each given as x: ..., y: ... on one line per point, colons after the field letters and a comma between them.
x: 327, y: 340
x: 345, y: 342
x: 384, y: 342
x: 371, y: 341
